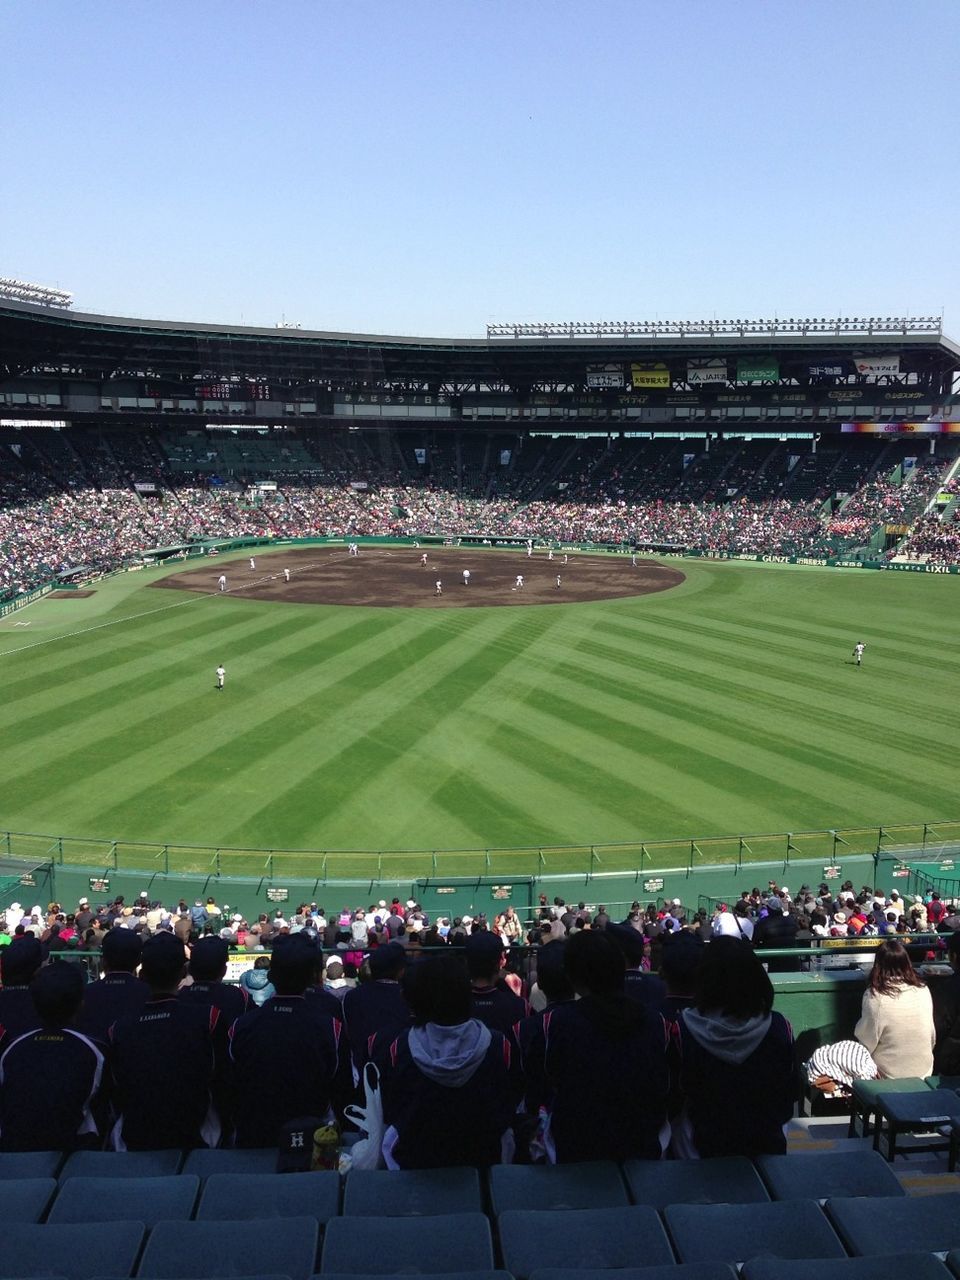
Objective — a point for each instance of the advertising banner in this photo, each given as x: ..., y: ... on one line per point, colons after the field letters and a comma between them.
x: 421, y: 456
x: 601, y: 376
x: 901, y: 428
x: 758, y: 370
x: 825, y: 370
x: 654, y: 376
x: 687, y: 459
x: 703, y: 372
x: 877, y: 366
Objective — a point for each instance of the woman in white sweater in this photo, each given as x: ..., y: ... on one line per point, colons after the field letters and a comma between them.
x: 896, y: 1018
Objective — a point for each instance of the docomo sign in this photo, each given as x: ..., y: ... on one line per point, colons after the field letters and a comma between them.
x: 600, y: 376
x: 884, y: 366
x: 699, y: 373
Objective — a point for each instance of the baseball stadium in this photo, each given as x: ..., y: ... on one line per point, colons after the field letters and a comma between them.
x: 637, y: 616
x: 569, y: 603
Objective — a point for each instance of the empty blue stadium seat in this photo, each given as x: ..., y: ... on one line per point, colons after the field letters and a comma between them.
x: 726, y: 1180
x: 32, y: 1252
x: 207, y: 1160
x: 121, y: 1164
x: 430, y: 1246
x: 29, y: 1164
x: 401, y: 1193
x: 148, y: 1200
x: 737, y: 1232
x: 288, y: 1195
x: 921, y: 1224
x: 819, y: 1175
x: 596, y: 1184
x: 678, y: 1271
x: 217, y: 1250
x: 26, y: 1201
x: 916, y: 1266
x: 582, y: 1238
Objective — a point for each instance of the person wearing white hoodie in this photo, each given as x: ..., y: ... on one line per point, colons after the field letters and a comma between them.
x: 738, y: 1078
x: 450, y: 1085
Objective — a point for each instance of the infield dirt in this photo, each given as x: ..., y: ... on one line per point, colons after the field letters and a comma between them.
x: 385, y: 577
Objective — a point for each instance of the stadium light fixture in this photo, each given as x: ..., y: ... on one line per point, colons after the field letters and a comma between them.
x: 23, y: 291
x: 843, y: 326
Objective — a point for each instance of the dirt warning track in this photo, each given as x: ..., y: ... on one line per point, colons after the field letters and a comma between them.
x: 387, y: 577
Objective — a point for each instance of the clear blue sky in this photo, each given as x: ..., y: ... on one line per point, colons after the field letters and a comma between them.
x: 427, y: 166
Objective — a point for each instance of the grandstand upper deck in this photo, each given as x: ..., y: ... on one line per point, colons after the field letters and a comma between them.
x: 92, y: 365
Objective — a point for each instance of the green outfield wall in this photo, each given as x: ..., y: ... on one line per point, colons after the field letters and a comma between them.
x: 908, y: 857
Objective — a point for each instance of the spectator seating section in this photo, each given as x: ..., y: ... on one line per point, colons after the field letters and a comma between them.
x: 676, y: 1271
x: 215, y: 1250
x: 921, y: 1223
x: 591, y: 1185
x: 30, y: 1251
x: 572, y: 1222
x: 726, y: 1180
x: 294, y: 1195
x: 121, y: 1164
x: 26, y: 1201
x: 15, y: 1165
x: 411, y: 1192
x: 426, y: 1244
x: 863, y: 1106
x: 918, y: 1121
x: 581, y: 1238
x: 735, y: 1232
x: 918, y: 1266
x: 147, y: 1200
x: 230, y: 1160
x: 819, y: 1175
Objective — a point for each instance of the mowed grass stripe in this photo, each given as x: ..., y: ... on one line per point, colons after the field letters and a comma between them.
x: 165, y: 713
x: 297, y: 755
x: 405, y: 784
x: 393, y: 741
x: 725, y: 705
x: 122, y: 753
x: 800, y: 688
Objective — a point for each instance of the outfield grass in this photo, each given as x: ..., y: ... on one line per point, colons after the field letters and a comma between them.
x: 729, y: 704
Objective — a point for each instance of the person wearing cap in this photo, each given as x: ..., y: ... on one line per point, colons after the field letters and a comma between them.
x: 163, y: 1062
x: 450, y: 1085
x: 377, y: 1007
x: 208, y: 968
x: 289, y: 1058
x: 51, y: 1079
x: 19, y: 963
x: 119, y: 991
x: 491, y: 999
x: 598, y: 1066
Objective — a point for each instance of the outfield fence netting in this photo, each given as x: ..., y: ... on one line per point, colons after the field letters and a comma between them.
x: 931, y: 841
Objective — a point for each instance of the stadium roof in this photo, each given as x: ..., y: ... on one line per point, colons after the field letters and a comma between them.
x: 41, y: 338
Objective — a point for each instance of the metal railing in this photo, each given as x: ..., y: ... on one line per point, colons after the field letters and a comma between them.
x: 644, y: 860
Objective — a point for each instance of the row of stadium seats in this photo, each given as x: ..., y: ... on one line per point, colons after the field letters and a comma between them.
x: 207, y: 1221
x: 528, y: 1245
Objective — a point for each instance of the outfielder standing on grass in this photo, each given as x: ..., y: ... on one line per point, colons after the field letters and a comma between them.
x: 858, y: 651
x: 221, y: 676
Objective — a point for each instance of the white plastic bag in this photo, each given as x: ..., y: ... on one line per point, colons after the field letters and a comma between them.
x: 366, y: 1152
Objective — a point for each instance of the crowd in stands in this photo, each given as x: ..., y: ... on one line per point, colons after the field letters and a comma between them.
x: 935, y: 541
x: 567, y: 1038
x: 74, y: 507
